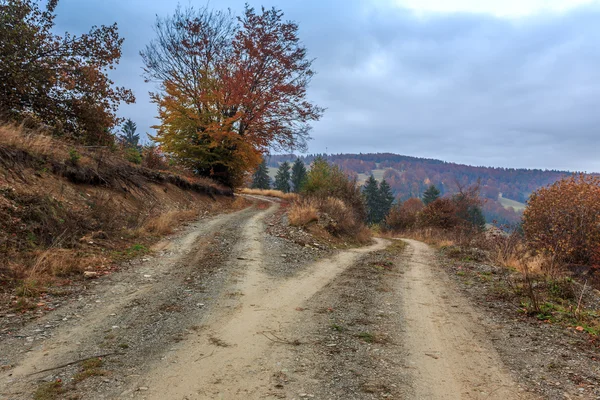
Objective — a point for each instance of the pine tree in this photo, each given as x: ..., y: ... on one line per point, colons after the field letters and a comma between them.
x: 431, y: 194
x: 261, y: 179
x: 283, y: 177
x: 298, y: 175
x: 129, y: 137
x: 476, y: 218
x: 386, y: 199
x: 372, y: 198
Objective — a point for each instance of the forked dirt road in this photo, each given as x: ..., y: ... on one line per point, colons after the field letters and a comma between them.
x: 207, y: 319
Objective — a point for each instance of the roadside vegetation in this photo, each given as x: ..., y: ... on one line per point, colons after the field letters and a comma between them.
x: 550, y: 260
x: 69, y: 211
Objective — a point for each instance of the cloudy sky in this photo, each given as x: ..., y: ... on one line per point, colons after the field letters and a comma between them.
x: 513, y: 83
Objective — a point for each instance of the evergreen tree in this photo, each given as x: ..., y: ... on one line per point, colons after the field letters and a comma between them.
x: 372, y: 198
x: 283, y: 177
x: 298, y: 175
x: 261, y: 179
x: 386, y: 199
x: 476, y: 218
x: 431, y: 194
x: 129, y: 137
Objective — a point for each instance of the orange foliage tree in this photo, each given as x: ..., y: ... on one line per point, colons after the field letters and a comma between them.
x: 563, y: 219
x: 404, y: 216
x: 59, y: 81
x: 231, y: 89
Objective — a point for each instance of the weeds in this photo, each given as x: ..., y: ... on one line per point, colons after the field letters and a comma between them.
x: 303, y: 212
x: 89, y: 368
x: 366, y: 336
x: 270, y: 193
x: 49, y: 391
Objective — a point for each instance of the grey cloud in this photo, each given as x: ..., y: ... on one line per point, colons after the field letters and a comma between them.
x: 459, y: 87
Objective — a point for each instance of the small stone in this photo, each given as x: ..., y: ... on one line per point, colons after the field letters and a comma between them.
x: 143, y: 388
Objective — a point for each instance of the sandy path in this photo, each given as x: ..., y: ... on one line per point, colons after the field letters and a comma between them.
x: 449, y: 352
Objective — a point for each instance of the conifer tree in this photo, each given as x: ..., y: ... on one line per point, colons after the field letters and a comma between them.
x: 261, y: 179
x: 298, y: 175
x: 386, y: 199
x: 431, y: 194
x: 129, y: 137
x: 283, y: 177
x: 372, y: 198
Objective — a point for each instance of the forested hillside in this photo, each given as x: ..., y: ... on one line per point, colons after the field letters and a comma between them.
x: 411, y: 176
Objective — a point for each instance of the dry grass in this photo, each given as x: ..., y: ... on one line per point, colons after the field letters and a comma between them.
x: 164, y: 223
x: 66, y: 209
x: 270, y: 193
x: 33, y: 141
x: 303, y: 212
x: 332, y: 215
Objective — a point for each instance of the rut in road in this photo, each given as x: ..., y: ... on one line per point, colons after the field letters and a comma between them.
x: 448, y: 348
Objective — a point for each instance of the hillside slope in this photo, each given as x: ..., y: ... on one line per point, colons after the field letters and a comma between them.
x: 67, y: 210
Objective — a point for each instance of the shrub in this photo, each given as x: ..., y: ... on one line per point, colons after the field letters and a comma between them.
x: 325, y: 180
x: 303, y: 212
x: 563, y: 219
x: 338, y: 219
x: 440, y: 213
x: 153, y: 158
x: 404, y: 216
x: 74, y: 156
x: 133, y: 155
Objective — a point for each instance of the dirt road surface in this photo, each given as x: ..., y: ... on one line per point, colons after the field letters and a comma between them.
x: 210, y: 316
x: 447, y: 346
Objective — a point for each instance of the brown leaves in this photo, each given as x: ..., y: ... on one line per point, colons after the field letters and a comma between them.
x: 563, y: 219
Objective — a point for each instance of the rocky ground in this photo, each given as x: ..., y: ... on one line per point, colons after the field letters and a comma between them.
x: 552, y: 359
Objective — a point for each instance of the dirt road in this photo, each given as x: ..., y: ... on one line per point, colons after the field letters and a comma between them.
x: 210, y: 316
x: 447, y: 345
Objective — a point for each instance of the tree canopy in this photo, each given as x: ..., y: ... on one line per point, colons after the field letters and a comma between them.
x: 231, y: 89
x: 58, y: 81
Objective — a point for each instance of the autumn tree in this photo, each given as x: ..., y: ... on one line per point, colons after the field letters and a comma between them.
x: 298, y: 175
x: 468, y: 205
x: 283, y: 177
x: 460, y: 211
x: 403, y: 216
x: 563, y: 220
x: 431, y: 194
x: 230, y: 88
x: 440, y: 213
x: 261, y: 179
x: 58, y: 81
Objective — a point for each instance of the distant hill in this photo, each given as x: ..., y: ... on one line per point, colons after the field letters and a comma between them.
x: 506, y: 189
